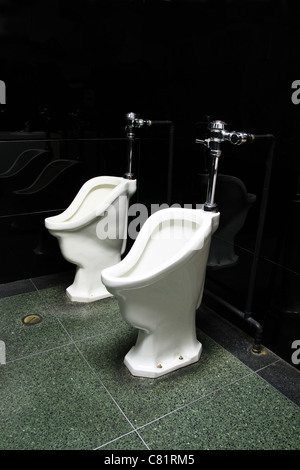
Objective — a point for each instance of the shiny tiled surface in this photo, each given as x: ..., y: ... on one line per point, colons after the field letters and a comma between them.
x: 64, y: 385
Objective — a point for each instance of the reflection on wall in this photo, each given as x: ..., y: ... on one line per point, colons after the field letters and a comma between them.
x: 234, y: 203
x: 43, y: 181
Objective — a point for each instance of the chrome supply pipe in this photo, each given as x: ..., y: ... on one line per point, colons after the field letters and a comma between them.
x: 218, y: 133
x: 133, y: 121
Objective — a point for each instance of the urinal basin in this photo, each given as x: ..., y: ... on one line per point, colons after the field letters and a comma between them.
x: 159, y: 286
x: 92, y: 200
x: 92, y: 233
x: 167, y: 238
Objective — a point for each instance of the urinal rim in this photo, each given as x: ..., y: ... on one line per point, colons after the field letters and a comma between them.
x: 112, y: 276
x: 59, y: 222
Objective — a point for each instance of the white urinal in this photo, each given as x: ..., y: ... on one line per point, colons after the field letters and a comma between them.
x: 92, y: 233
x: 159, y: 286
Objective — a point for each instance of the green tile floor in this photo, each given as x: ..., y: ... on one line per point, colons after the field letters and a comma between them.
x: 64, y: 386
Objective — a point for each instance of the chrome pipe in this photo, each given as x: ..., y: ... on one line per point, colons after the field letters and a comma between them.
x: 218, y: 134
x: 132, y: 123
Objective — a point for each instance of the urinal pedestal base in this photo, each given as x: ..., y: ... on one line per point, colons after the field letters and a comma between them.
x: 75, y: 297
x: 138, y: 369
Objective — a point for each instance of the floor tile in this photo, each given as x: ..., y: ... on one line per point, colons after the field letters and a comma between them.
x: 246, y: 415
x: 144, y: 399
x: 64, y: 384
x: 82, y: 320
x: 53, y: 401
x: 21, y: 340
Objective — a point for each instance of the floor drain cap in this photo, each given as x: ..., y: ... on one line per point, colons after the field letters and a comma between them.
x: 32, y: 319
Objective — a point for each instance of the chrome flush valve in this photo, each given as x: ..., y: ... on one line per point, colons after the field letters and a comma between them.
x: 219, y: 133
x: 132, y: 122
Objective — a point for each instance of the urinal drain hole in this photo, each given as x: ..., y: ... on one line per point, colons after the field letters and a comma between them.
x: 32, y: 319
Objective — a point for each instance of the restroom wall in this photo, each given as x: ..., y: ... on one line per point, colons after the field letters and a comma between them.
x: 73, y: 69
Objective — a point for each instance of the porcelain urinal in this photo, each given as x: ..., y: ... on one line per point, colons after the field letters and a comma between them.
x: 92, y: 233
x: 159, y: 286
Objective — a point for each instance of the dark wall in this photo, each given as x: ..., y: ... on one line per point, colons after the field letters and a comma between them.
x: 180, y: 59
x: 73, y: 69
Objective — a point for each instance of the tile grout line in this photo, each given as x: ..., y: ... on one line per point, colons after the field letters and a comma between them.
x: 255, y: 371
x: 110, y: 395
x: 186, y: 405
x: 135, y: 429
x: 104, y: 386
x: 91, y: 368
x: 114, y: 440
x: 278, y: 359
x: 273, y: 386
x: 39, y: 353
